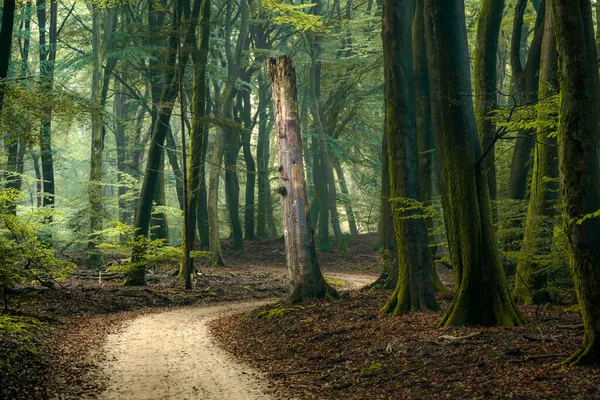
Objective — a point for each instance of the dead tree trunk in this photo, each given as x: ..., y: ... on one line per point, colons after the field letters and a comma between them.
x: 305, y: 274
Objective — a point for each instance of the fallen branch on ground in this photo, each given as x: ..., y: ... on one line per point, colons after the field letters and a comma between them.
x: 459, y: 338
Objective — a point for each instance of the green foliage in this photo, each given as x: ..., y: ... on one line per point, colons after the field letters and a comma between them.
x: 290, y: 14
x: 23, y: 257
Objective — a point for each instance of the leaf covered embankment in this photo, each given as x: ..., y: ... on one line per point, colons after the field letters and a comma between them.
x: 346, y: 349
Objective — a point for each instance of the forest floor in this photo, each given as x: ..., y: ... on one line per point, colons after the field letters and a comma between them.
x: 93, y: 332
x: 65, y: 356
x: 345, y: 349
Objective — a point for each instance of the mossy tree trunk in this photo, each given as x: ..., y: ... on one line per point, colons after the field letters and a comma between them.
x: 482, y: 295
x: 539, y: 225
x: 525, y: 78
x: 197, y: 138
x: 94, y: 258
x: 425, y: 136
x: 414, y: 289
x: 578, y: 152
x: 485, y: 81
x: 305, y: 274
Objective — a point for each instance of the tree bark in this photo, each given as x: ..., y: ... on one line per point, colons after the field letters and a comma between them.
x: 578, y: 152
x: 482, y: 295
x: 47, y: 68
x: 539, y: 225
x: 414, y: 290
x: 95, y: 259
x: 485, y: 80
x: 199, y: 58
x: 305, y: 274
x: 425, y: 138
x: 6, y: 36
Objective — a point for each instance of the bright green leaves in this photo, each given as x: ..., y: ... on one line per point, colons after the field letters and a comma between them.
x: 288, y: 14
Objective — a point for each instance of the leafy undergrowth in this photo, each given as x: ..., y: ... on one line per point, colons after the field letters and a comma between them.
x: 345, y: 349
x: 53, y: 345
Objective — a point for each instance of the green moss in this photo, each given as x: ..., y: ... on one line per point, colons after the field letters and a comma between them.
x: 371, y: 369
x: 274, y: 313
x: 336, y: 282
x: 19, y: 325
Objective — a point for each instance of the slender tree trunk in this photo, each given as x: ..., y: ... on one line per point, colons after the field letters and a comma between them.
x: 121, y: 142
x: 95, y: 258
x: 249, y: 221
x: 159, y: 221
x: 526, y: 82
x: 232, y: 184
x: 47, y: 68
x: 414, y: 290
x: 578, y: 153
x: 482, y: 295
x: 202, y: 190
x: 539, y: 226
x: 199, y: 58
x: 6, y: 35
x: 485, y: 80
x: 305, y: 274
x: 35, y: 157
x: 347, y: 202
x: 171, y: 149
x: 262, y: 156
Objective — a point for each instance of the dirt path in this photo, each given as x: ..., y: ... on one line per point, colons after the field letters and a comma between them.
x: 171, y: 355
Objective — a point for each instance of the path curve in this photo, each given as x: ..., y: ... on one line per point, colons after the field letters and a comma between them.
x: 171, y: 355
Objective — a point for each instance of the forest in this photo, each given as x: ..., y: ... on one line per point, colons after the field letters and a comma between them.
x: 277, y: 199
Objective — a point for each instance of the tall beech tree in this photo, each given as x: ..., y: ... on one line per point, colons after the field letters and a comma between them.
x: 482, y: 295
x: 537, y: 241
x: 306, y: 278
x: 485, y: 81
x: 414, y: 290
x: 425, y: 137
x: 579, y: 152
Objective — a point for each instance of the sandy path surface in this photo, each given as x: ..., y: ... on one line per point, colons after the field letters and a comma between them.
x: 171, y: 355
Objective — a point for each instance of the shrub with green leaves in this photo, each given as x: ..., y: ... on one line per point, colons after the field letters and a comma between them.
x: 23, y: 257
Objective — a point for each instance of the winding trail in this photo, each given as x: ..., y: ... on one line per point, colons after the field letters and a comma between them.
x: 171, y: 355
